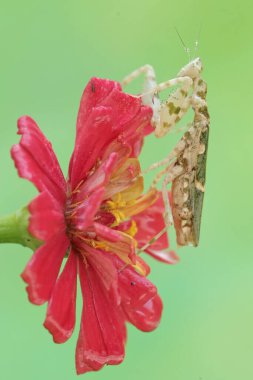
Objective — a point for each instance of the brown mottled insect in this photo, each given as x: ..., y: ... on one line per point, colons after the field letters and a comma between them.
x: 185, y: 166
x: 188, y: 188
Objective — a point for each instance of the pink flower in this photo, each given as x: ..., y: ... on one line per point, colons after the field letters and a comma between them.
x: 92, y: 218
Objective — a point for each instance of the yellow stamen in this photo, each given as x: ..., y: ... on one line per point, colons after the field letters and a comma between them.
x: 119, y: 217
x: 116, y: 208
x: 140, y: 269
x: 93, y: 243
x: 133, y: 229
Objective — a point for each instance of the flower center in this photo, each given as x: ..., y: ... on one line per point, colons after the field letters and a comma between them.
x: 110, y: 213
x: 99, y: 213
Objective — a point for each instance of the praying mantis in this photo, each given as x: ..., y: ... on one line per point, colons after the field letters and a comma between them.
x: 185, y: 166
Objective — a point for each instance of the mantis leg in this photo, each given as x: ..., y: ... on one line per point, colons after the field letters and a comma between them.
x: 149, y: 96
x: 172, y: 173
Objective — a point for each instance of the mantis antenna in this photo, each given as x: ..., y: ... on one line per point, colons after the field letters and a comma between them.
x: 186, y: 49
x: 197, y: 41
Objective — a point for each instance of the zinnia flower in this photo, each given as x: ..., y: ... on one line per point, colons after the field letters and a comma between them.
x: 92, y: 218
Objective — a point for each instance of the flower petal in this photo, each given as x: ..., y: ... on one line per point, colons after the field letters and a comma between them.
x: 118, y: 242
x: 126, y: 110
x: 60, y: 318
x: 140, y: 302
x: 102, y: 334
x: 107, y: 120
x: 141, y: 266
x: 90, y: 141
x: 122, y: 149
x: 35, y: 160
x: 106, y: 271
x: 107, y: 233
x: 94, y: 95
x: 142, y: 203
x: 135, y: 289
x: 126, y: 178
x: 139, y: 127
x: 46, y: 218
x: 131, y: 193
x: 42, y: 270
x: 149, y: 223
x: 85, y: 212
x: 146, y: 317
x: 99, y: 178
x: 165, y: 256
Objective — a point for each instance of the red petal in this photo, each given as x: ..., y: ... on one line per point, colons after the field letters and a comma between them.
x: 117, y: 242
x: 99, y: 178
x: 149, y: 128
x: 42, y: 270
x: 126, y: 108
x: 139, y: 127
x: 90, y: 141
x: 149, y: 223
x: 122, y: 149
x: 35, y: 160
x: 106, y: 271
x: 107, y: 233
x: 124, y: 178
x: 94, y: 95
x: 85, y: 213
x: 146, y: 317
x: 46, y: 218
x: 102, y: 333
x: 168, y: 257
x: 135, y: 289
x: 141, y: 266
x: 104, y: 122
x: 60, y: 319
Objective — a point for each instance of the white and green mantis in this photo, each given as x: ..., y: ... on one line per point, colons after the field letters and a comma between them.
x: 185, y: 166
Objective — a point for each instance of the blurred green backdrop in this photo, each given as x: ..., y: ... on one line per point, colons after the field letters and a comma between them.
x: 49, y: 50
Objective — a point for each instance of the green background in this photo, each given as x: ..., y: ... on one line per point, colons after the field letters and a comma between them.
x: 49, y: 50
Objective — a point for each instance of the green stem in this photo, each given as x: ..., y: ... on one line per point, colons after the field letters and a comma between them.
x: 14, y: 229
